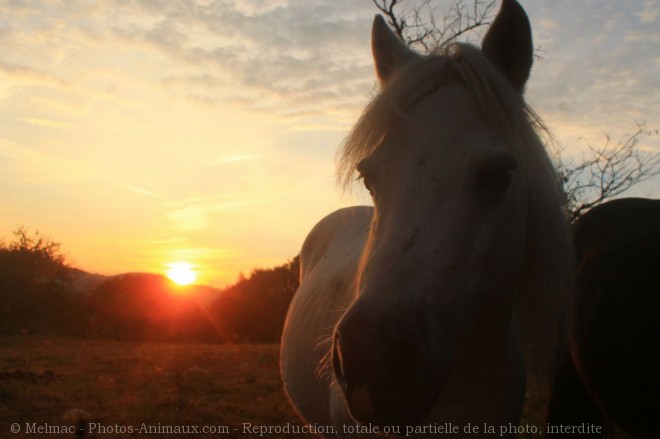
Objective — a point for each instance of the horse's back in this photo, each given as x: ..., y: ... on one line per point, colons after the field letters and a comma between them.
x: 614, y: 328
x: 618, y: 221
x: 329, y: 259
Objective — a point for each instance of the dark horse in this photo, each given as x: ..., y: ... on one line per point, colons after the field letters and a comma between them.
x: 613, y: 369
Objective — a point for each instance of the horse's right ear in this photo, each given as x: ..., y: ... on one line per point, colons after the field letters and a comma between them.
x: 390, y: 52
x: 508, y: 43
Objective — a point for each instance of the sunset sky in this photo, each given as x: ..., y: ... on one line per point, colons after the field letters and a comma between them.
x: 141, y: 133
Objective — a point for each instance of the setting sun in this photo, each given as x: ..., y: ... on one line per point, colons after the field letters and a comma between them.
x: 181, y: 273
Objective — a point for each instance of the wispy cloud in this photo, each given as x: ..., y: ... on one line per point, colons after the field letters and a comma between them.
x: 281, y: 59
x: 50, y: 168
x: 650, y: 13
x: 159, y: 242
x: 204, y: 254
x: 38, y: 163
x: 196, y: 213
x: 239, y: 158
x: 139, y: 190
x: 598, y: 69
x: 180, y: 248
x: 293, y: 59
x: 189, y: 218
x: 29, y: 74
x: 44, y: 122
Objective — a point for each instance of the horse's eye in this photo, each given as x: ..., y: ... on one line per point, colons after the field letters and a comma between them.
x: 368, y: 185
x: 363, y: 171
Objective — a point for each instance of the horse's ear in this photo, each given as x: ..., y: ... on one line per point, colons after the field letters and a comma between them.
x: 508, y: 43
x: 390, y: 52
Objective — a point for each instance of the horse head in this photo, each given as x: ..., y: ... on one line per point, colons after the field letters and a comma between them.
x: 439, y: 151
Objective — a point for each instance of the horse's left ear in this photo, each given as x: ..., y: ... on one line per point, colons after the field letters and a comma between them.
x: 390, y: 52
x: 508, y: 43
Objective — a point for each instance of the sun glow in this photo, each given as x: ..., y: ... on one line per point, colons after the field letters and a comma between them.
x: 181, y: 273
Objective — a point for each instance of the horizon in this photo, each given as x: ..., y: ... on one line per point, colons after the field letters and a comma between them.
x: 139, y: 136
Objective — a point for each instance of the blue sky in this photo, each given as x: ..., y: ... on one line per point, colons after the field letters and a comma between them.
x: 139, y: 133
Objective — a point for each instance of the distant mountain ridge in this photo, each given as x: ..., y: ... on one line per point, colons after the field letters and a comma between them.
x: 142, y: 306
x: 86, y: 283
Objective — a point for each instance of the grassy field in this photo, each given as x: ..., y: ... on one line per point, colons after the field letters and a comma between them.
x: 125, y: 389
x: 123, y: 385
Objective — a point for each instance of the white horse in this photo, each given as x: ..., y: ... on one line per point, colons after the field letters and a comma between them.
x: 414, y: 312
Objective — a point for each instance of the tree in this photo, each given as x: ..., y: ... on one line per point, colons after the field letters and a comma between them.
x: 33, y: 282
x: 254, y: 309
x: 416, y: 23
x: 605, y: 172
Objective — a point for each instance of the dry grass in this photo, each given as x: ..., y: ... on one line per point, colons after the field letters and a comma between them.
x: 128, y: 384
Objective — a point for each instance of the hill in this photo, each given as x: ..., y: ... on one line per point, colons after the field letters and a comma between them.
x: 142, y: 306
x: 84, y: 282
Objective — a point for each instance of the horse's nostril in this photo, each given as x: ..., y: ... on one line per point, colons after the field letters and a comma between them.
x: 360, y: 404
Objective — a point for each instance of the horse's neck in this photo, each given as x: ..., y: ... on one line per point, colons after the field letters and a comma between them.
x: 487, y: 386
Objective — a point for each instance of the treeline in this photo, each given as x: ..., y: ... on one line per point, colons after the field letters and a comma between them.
x: 39, y: 295
x: 255, y: 307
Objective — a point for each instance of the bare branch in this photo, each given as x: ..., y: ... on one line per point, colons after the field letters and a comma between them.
x: 416, y: 22
x: 398, y: 23
x: 609, y: 171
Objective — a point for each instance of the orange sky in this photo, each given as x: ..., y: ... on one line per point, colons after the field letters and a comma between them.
x: 140, y: 133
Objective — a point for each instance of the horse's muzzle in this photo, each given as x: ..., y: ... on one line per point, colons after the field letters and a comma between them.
x: 381, y: 378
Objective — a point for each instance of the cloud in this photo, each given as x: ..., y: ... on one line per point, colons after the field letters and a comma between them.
x: 650, y: 13
x: 599, y: 66
x: 189, y: 218
x: 32, y: 164
x: 29, y: 75
x: 238, y: 158
x: 202, y: 253
x: 139, y: 190
x: 169, y: 241
x: 638, y: 36
x: 285, y: 60
x: 304, y: 60
x: 44, y: 122
x: 548, y: 24
x: 291, y: 60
